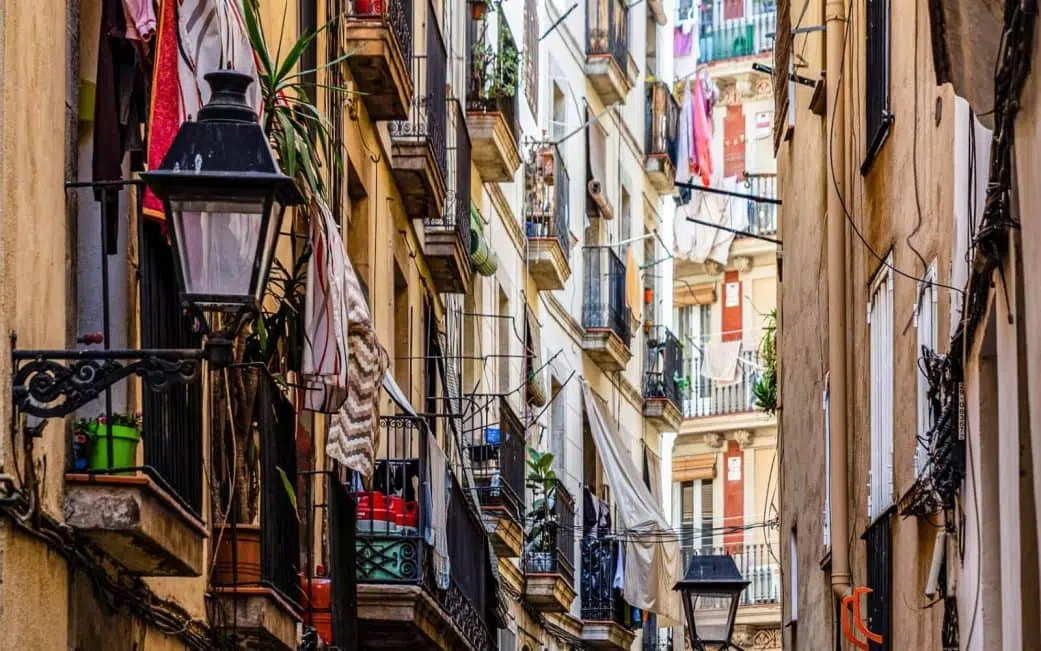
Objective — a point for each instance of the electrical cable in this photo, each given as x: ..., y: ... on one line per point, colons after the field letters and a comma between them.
x: 842, y: 199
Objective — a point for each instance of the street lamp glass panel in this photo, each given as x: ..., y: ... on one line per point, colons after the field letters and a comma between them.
x: 217, y: 245
x: 712, y: 614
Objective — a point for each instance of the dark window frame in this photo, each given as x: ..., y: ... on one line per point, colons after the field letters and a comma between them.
x: 878, y: 118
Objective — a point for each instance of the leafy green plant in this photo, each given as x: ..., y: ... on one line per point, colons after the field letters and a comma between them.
x: 124, y: 419
x: 764, y: 392
x: 495, y: 68
x: 542, y: 480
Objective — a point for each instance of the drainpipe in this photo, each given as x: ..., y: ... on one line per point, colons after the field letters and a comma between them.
x: 835, y: 17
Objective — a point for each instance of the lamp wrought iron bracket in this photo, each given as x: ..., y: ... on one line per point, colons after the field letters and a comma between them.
x: 55, y: 383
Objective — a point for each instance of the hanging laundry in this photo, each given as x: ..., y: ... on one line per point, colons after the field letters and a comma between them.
x: 141, y: 21
x: 633, y: 294
x: 702, y: 136
x: 720, y: 362
x: 685, y: 136
x: 619, y: 572
x: 195, y: 37
x: 682, y: 42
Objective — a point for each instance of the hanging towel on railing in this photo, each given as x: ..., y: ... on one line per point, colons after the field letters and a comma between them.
x: 720, y: 362
x: 437, y: 535
x: 343, y: 363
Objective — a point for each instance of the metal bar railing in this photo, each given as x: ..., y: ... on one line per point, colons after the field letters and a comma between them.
x: 663, y: 116
x: 561, y: 558
x: 607, y: 30
x: 279, y: 520
x: 708, y: 397
x: 604, y: 304
x: 467, y: 548
x: 494, y: 71
x: 664, y: 365
x: 496, y: 448
x: 762, y: 217
x: 397, y: 14
x: 726, y: 39
x: 456, y: 214
x: 601, y: 602
x: 428, y: 113
x: 757, y: 565
x: 548, y: 210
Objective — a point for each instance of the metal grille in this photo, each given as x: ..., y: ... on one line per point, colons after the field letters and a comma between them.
x: 547, y: 205
x: 708, y: 397
x: 664, y: 365
x: 877, y: 72
x: 762, y: 216
x: 600, y: 601
x: 279, y: 521
x: 494, y: 438
x: 663, y: 117
x: 531, y: 56
x: 467, y: 549
x: 172, y: 421
x: 428, y: 112
x: 721, y: 39
x: 493, y: 82
x: 880, y: 579
x: 604, y: 305
x: 607, y: 30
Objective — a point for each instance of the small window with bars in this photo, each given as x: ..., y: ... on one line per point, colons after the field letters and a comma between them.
x: 877, y: 115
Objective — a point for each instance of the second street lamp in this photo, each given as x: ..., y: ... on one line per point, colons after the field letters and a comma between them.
x: 710, y: 591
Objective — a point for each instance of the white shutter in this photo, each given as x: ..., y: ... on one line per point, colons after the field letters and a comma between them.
x: 925, y: 321
x: 880, y: 478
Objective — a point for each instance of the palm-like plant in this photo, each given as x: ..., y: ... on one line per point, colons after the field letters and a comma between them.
x: 542, y: 480
x: 765, y: 390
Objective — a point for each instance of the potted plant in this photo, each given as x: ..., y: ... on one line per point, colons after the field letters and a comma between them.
x: 126, y: 433
x: 542, y: 530
x: 764, y: 392
x: 478, y: 8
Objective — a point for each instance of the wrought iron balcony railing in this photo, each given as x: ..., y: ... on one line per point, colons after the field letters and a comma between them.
x: 494, y: 71
x: 708, y: 397
x: 601, y: 602
x: 721, y: 38
x: 428, y: 113
x: 496, y: 447
x: 762, y: 217
x: 658, y: 639
x: 547, y: 202
x: 395, y: 516
x: 604, y: 304
x: 664, y: 366
x: 663, y: 117
x: 757, y: 564
x: 607, y: 30
x: 456, y: 214
x: 397, y: 14
x: 556, y: 556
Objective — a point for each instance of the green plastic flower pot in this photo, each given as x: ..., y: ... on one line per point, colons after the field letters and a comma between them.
x: 124, y: 448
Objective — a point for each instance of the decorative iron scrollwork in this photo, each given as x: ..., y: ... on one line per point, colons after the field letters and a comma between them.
x: 52, y: 384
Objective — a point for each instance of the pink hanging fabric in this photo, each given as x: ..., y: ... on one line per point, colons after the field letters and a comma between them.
x: 682, y: 44
x: 702, y: 136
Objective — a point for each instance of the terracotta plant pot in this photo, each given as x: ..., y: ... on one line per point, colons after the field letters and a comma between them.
x: 648, y: 295
x: 237, y: 555
x: 477, y: 9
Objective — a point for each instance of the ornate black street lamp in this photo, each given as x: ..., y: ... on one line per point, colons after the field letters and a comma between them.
x: 711, y: 590
x: 225, y: 198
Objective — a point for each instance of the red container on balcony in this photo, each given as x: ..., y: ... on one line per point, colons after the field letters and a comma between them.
x: 319, y: 603
x: 365, y: 8
x: 372, y: 505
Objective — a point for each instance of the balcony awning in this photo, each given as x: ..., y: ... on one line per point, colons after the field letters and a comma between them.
x: 652, y: 549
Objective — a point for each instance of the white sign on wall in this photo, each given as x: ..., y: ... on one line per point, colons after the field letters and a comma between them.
x: 733, y: 294
x: 734, y: 469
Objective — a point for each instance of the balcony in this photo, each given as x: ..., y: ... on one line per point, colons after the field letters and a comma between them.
x: 419, y: 142
x: 494, y: 438
x: 721, y: 38
x: 707, y: 397
x: 448, y: 238
x: 658, y: 639
x: 608, y: 63
x: 378, y: 34
x: 492, y: 99
x: 661, y: 380
x: 406, y: 599
x: 757, y: 565
x: 605, y: 615
x: 549, y: 562
x: 762, y: 217
x: 547, y: 189
x: 255, y: 584
x: 605, y: 314
x: 138, y: 495
x: 660, y: 148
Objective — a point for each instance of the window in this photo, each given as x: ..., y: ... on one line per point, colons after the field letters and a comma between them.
x: 793, y: 576
x: 503, y: 328
x: 625, y: 224
x: 827, y: 464
x: 877, y: 85
x: 558, y: 123
x: 925, y: 321
x: 880, y: 322
x: 531, y: 56
x: 558, y: 427
x: 696, y: 522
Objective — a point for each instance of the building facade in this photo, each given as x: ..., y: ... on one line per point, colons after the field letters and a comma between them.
x: 894, y: 330
x: 488, y: 191
x: 724, y: 460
